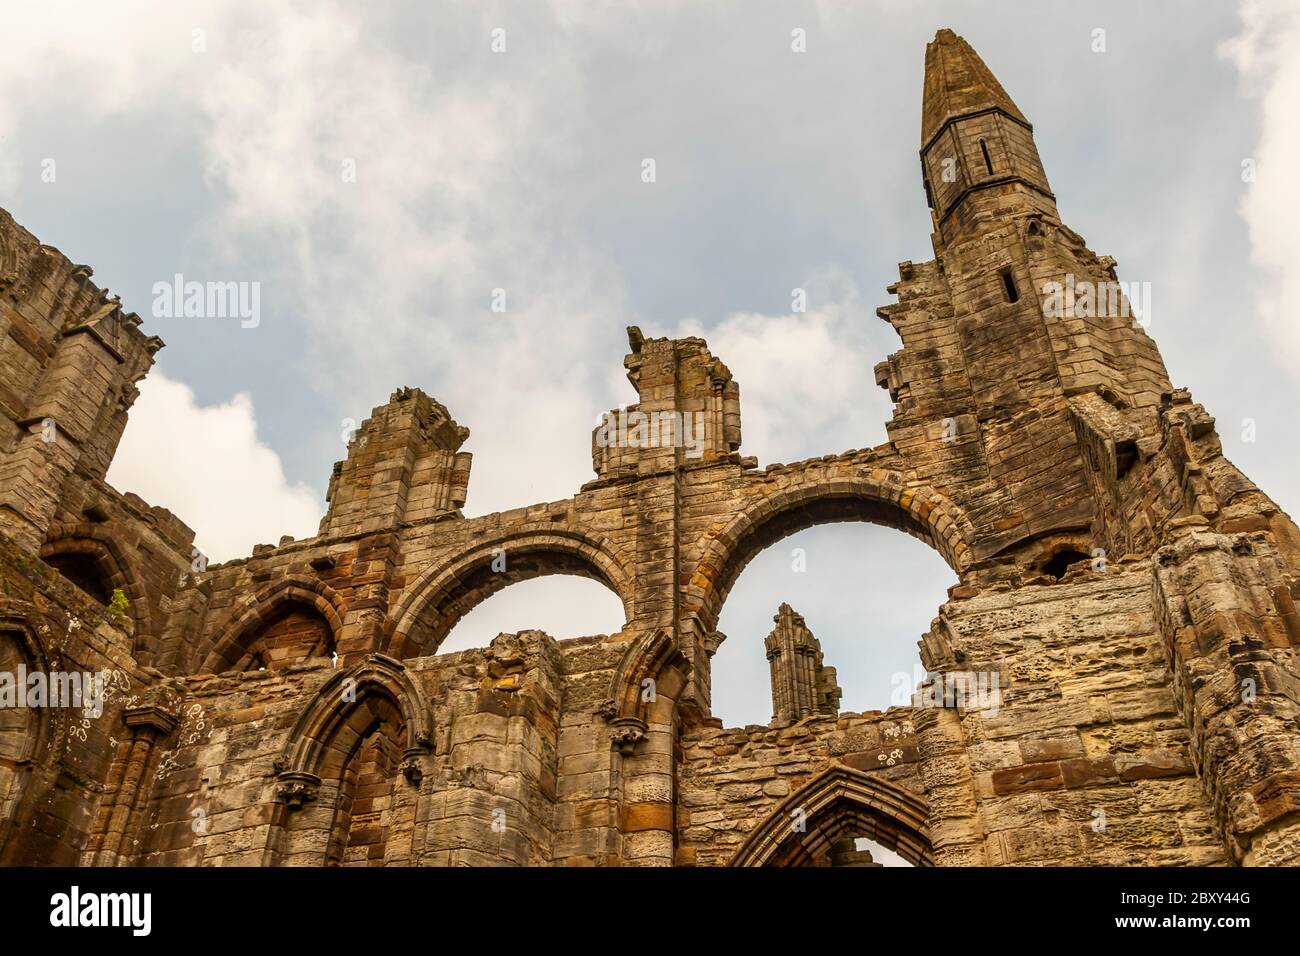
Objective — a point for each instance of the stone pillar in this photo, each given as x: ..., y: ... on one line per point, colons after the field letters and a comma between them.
x: 120, y: 819
x: 59, y: 424
x: 403, y: 464
x: 687, y: 415
x: 1231, y: 632
x: 956, y: 831
x: 648, y: 788
x: 373, y: 569
x: 493, y: 803
x: 80, y: 389
x: 298, y: 793
x: 646, y: 744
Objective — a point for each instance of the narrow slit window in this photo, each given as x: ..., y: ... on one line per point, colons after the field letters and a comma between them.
x: 1009, y: 286
x: 988, y: 162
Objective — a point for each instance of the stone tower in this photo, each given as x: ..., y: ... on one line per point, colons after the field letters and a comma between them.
x: 997, y: 399
x: 1130, y: 590
x: 801, y: 685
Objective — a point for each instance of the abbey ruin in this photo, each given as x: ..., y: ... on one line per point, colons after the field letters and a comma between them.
x: 1131, y: 591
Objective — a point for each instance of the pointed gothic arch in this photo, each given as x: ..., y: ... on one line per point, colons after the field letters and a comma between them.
x: 373, y: 717
x: 305, y: 751
x: 653, y: 658
x: 26, y: 738
x: 840, y: 802
x: 233, y: 639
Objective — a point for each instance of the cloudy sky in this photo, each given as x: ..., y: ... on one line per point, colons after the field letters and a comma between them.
x: 379, y: 169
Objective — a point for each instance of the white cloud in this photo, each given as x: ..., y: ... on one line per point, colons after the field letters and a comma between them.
x: 103, y: 59
x: 806, y: 379
x: 457, y: 194
x: 460, y: 155
x: 205, y: 464
x: 1267, y: 54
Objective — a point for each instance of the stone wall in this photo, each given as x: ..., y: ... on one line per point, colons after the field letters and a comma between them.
x: 1087, y: 759
x: 735, y: 780
x: 1124, y: 611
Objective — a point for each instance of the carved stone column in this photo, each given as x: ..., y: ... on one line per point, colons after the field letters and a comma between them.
x: 801, y: 685
x: 647, y: 770
x: 147, y: 725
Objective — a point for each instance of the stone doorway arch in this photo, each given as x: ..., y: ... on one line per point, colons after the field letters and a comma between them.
x: 837, y: 803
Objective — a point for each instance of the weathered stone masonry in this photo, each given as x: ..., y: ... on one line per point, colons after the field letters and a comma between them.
x: 1132, y: 591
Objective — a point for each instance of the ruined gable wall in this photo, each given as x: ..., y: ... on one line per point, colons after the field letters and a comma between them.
x: 1148, y: 695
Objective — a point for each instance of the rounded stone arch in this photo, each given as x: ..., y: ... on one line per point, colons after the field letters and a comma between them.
x: 113, y: 566
x: 840, y: 802
x: 232, y: 638
x: 442, y: 596
x: 881, y: 498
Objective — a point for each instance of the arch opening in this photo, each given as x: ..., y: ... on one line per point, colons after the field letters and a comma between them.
x: 85, y: 571
x: 18, y: 724
x: 924, y: 516
x: 448, y: 593
x: 860, y: 598
x: 88, y: 557
x: 880, y: 501
x: 353, y: 815
x: 837, y: 805
x: 341, y: 771
x: 25, y: 745
x: 1058, y: 564
x: 878, y: 836
x: 293, y: 620
x: 562, y: 606
x: 295, y: 633
x: 366, y: 783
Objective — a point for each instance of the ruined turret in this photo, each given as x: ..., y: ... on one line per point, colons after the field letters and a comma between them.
x: 801, y: 685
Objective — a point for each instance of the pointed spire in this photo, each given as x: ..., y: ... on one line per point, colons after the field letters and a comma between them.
x: 958, y: 83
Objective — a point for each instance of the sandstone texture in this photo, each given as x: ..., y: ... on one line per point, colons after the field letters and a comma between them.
x: 1125, y: 592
